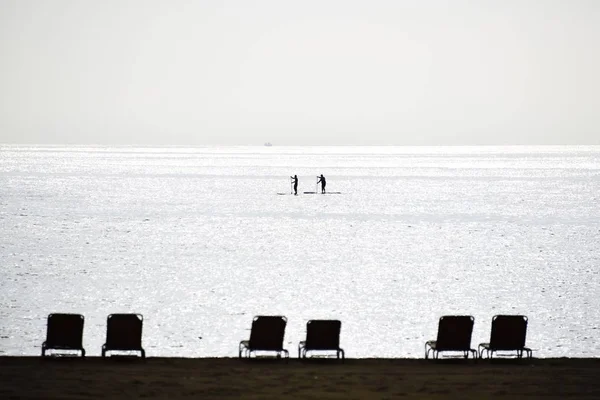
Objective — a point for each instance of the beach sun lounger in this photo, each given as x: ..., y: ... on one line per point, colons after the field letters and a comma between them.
x: 64, y: 332
x: 266, y: 335
x: 124, y: 333
x: 454, y: 334
x: 508, y: 334
x: 321, y: 335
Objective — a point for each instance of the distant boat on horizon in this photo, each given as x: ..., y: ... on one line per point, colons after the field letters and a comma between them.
x: 268, y: 144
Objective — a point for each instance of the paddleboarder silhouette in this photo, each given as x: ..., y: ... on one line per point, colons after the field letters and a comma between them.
x: 295, y: 183
x: 323, y: 183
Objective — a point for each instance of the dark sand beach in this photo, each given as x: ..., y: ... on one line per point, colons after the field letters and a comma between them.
x: 229, y: 378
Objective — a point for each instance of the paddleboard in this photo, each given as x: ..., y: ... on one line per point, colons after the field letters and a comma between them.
x: 322, y: 193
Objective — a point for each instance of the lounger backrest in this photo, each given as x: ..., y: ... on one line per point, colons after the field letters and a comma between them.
x: 124, y: 331
x: 508, y: 332
x: 64, y: 331
x: 323, y: 334
x: 267, y: 332
x: 454, y: 332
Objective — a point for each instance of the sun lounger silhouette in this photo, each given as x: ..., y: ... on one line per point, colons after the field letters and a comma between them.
x: 508, y: 334
x: 64, y: 332
x: 124, y: 333
x: 454, y: 334
x: 266, y: 334
x: 321, y: 335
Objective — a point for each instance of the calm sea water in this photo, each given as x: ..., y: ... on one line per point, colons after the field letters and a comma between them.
x: 198, y: 241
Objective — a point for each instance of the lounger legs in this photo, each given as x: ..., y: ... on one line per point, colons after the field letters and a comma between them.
x: 245, y: 352
x: 427, y: 350
x: 244, y: 349
x: 490, y: 353
x: 44, y: 349
x: 436, y: 354
x: 105, y: 350
x: 339, y: 353
x: 528, y: 352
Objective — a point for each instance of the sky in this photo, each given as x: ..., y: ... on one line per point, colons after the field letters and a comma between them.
x: 325, y: 72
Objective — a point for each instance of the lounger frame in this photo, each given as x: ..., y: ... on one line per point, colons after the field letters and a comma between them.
x: 64, y: 332
x: 124, y: 333
x: 267, y: 334
x: 454, y: 334
x: 322, y: 335
x: 508, y: 334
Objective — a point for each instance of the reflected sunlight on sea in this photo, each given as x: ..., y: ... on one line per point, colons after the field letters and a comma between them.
x: 198, y: 241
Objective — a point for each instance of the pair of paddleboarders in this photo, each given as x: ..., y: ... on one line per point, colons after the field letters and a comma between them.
x: 320, y: 179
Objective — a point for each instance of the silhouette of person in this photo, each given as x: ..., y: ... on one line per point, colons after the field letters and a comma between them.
x: 295, y: 182
x: 323, y: 183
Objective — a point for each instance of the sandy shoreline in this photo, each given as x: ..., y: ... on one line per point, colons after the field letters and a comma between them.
x: 223, y: 378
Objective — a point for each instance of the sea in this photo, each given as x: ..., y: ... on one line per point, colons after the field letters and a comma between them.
x: 199, y: 240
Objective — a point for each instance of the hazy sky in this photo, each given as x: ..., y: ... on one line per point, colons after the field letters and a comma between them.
x: 300, y: 72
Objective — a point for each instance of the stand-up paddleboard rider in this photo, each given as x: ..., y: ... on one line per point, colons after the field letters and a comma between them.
x: 295, y: 183
x: 323, y: 183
